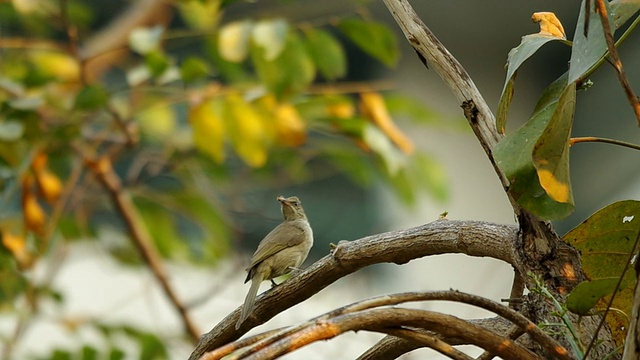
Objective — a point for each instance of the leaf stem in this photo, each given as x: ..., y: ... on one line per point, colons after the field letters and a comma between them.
x: 613, y: 295
x: 603, y: 140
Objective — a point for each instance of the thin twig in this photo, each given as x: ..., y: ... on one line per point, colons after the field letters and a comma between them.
x: 103, y: 171
x: 615, y: 59
x: 603, y: 140
x: 632, y: 254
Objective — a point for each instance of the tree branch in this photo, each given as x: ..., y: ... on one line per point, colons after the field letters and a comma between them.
x: 615, y: 59
x: 103, y: 171
x: 474, y: 238
x: 540, y: 242
x: 391, y: 347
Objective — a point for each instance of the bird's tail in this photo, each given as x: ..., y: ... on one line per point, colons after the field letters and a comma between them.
x: 256, y: 280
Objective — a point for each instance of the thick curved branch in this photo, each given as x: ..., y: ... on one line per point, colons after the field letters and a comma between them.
x: 384, y: 319
x: 474, y: 238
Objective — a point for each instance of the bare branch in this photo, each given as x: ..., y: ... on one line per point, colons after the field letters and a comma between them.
x: 474, y: 238
x: 391, y: 347
x: 430, y: 341
x: 103, y: 171
x: 381, y: 319
x: 615, y: 59
x: 452, y: 73
x: 309, y: 331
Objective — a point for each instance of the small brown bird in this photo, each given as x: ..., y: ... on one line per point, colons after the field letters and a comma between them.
x: 280, y: 252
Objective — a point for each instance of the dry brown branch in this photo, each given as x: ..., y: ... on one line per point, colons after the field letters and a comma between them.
x: 391, y: 347
x: 539, y: 239
x: 429, y: 341
x: 103, y: 171
x: 615, y: 59
x: 308, y: 332
x: 474, y: 238
x: 380, y: 319
x: 514, y: 334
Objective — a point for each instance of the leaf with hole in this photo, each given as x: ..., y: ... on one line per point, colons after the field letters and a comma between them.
x: 606, y: 242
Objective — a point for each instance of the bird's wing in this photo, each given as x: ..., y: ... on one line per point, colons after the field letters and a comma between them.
x: 285, y: 235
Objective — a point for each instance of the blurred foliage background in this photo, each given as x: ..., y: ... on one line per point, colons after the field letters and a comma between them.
x: 163, y: 131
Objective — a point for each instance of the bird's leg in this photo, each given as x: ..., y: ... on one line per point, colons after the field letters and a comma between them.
x: 294, y: 271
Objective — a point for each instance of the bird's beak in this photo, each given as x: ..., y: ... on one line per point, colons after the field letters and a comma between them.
x: 281, y: 199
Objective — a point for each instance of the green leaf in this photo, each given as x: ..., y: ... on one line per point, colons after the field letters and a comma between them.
x: 381, y: 145
x: 117, y: 354
x: 587, y: 294
x: 623, y: 10
x: 300, y: 69
x: 606, y: 241
x: 551, y: 152
x: 351, y: 161
x: 514, y: 156
x: 271, y: 36
x: 327, y: 53
x: 89, y: 353
x: 59, y: 354
x: 152, y: 348
x: 13, y: 283
x: 91, y: 97
x: 429, y: 174
x: 587, y: 51
x: 193, y: 69
x: 157, y: 62
x: 517, y: 56
x: 374, y: 38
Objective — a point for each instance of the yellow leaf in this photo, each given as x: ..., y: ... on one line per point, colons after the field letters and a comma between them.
x: 549, y: 24
x: 341, y: 110
x: 233, y: 40
x: 34, y: 217
x: 372, y: 105
x: 17, y: 246
x: 49, y: 185
x: 251, y: 134
x: 557, y: 190
x: 157, y: 121
x: 208, y: 129
x: 58, y: 65
x: 290, y: 129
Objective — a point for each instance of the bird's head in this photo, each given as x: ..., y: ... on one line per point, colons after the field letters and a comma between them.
x: 291, y: 208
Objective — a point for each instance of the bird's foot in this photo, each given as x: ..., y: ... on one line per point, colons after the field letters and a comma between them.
x: 335, y: 249
x: 295, y: 271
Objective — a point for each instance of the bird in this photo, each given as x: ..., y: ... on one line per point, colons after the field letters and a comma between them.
x: 283, y: 250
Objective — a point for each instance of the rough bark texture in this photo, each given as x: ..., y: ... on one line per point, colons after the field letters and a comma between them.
x: 474, y: 238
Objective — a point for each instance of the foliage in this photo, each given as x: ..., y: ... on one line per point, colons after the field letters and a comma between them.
x: 157, y: 129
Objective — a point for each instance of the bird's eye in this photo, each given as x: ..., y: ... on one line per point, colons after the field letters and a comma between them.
x: 295, y: 203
